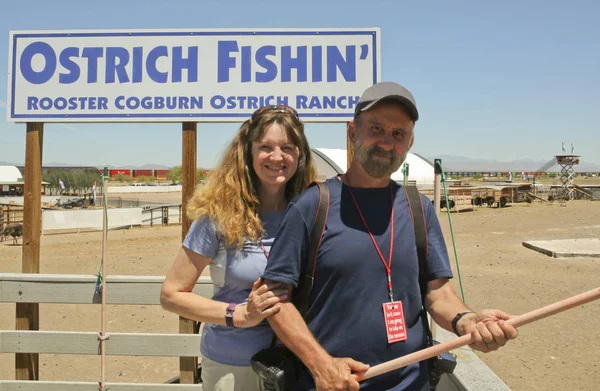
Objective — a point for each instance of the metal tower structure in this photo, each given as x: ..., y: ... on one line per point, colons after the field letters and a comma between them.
x: 567, y: 174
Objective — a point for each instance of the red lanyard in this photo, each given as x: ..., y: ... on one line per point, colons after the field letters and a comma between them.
x: 264, y: 249
x: 388, y: 265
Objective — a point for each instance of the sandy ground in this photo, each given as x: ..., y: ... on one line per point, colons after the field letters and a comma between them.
x: 558, y: 353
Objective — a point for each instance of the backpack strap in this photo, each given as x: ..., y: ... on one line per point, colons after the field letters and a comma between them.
x: 305, y: 286
x: 418, y: 217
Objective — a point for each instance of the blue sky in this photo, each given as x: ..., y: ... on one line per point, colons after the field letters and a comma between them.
x: 502, y: 80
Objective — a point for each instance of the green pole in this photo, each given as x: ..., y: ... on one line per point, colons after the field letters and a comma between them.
x: 405, y: 173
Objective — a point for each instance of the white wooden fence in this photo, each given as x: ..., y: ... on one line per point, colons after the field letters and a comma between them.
x: 89, y: 219
x: 471, y: 373
x: 79, y: 289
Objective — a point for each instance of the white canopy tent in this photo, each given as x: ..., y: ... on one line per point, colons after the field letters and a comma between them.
x: 10, y: 174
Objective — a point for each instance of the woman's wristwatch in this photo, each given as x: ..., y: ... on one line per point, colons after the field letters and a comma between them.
x: 229, y: 314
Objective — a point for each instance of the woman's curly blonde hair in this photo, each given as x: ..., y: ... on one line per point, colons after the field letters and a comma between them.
x: 229, y: 197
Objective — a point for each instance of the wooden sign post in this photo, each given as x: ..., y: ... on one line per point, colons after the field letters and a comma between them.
x: 188, y: 365
x: 27, y: 314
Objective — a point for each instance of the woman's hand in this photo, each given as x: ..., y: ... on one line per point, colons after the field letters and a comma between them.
x: 263, y: 302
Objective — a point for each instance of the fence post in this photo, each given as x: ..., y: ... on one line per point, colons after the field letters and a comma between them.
x: 27, y: 314
x: 188, y: 365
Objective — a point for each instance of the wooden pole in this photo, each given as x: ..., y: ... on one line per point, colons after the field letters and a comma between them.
x: 467, y: 339
x: 103, y: 296
x: 27, y: 314
x: 188, y: 365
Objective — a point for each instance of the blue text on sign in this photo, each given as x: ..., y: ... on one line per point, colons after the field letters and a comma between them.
x: 245, y: 59
x: 260, y: 64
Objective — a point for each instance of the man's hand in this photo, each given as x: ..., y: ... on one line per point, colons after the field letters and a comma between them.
x: 337, y: 375
x: 488, y: 328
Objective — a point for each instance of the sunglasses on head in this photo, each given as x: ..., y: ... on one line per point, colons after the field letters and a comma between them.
x: 277, y: 108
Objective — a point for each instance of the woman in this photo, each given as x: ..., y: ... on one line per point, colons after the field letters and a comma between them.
x: 237, y: 214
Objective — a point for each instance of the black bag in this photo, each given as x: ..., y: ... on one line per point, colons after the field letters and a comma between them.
x: 445, y: 362
x: 277, y: 366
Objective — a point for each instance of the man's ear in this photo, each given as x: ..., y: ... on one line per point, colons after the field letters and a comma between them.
x: 351, y: 130
x: 412, y: 141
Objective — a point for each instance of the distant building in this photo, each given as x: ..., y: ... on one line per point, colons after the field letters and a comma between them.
x: 12, y: 183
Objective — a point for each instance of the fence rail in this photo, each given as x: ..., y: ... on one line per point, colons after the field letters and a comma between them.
x: 163, y: 213
x: 80, y: 289
x: 12, y: 385
x: 87, y: 343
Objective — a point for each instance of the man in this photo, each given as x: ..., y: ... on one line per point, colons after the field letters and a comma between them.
x: 357, y: 257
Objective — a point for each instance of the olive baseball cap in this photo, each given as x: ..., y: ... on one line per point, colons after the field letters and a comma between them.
x: 387, y: 90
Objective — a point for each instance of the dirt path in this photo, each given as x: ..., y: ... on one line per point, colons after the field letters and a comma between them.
x: 558, y: 353
x: 497, y: 271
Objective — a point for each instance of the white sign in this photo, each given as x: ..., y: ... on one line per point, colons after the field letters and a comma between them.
x: 188, y: 75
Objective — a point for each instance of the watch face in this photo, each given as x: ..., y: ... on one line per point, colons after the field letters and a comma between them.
x: 229, y: 314
x: 230, y: 309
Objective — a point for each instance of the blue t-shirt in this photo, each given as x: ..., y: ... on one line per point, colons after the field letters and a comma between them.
x: 345, y: 313
x: 233, y: 272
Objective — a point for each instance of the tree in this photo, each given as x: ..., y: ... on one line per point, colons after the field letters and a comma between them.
x: 146, y: 179
x: 123, y: 178
x: 76, y: 181
x: 175, y: 174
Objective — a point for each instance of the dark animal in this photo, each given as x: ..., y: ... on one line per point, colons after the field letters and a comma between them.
x: 15, y: 230
x: 489, y: 200
x: 477, y: 201
x: 447, y: 204
x: 444, y: 204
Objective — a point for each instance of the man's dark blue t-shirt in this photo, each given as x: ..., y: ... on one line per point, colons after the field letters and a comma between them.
x: 345, y: 313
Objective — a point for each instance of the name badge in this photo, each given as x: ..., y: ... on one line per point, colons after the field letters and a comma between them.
x: 393, y: 315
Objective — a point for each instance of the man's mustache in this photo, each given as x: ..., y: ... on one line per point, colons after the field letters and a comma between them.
x: 377, y: 151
